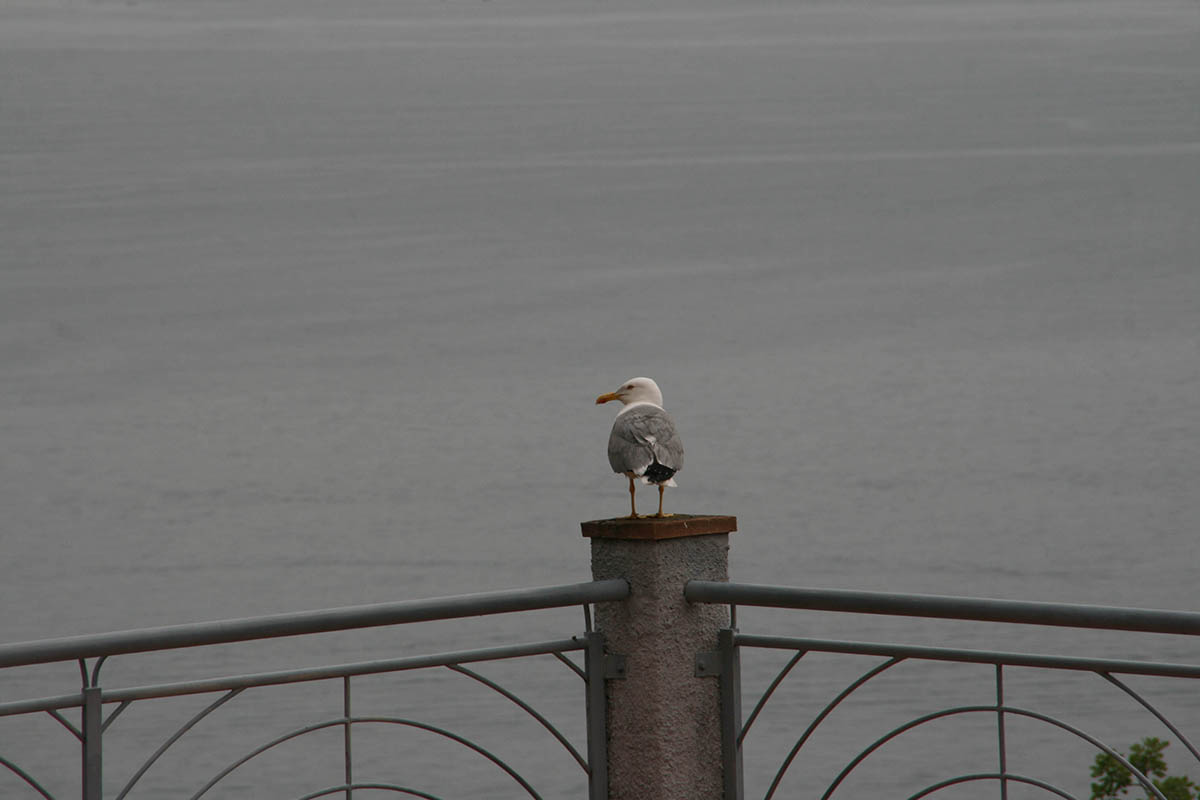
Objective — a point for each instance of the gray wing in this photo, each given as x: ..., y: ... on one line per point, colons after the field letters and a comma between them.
x: 642, y: 436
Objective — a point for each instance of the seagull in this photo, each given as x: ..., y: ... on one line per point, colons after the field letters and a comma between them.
x: 643, y: 443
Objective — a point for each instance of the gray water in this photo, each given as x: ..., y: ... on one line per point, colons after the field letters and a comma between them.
x: 305, y: 304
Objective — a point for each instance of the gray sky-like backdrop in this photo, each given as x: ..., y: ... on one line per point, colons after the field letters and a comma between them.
x: 305, y: 304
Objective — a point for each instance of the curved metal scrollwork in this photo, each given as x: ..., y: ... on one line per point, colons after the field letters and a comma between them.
x: 213, y: 706
x: 825, y: 712
x: 234, y: 692
x: 25, y: 776
x: 1020, y: 712
x: 991, y: 776
x: 999, y: 709
x: 342, y: 721
x: 770, y: 691
x: 384, y: 787
x: 528, y: 709
x: 1157, y: 714
x: 571, y: 665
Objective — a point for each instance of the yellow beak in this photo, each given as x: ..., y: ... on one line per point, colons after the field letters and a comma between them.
x: 604, y: 398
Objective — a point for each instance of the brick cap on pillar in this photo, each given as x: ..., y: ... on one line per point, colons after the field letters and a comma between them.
x: 654, y: 528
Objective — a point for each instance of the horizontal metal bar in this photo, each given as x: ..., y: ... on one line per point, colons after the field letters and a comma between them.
x: 306, y: 622
x: 1123, y: 667
x: 946, y: 607
x: 206, y: 685
x: 50, y: 704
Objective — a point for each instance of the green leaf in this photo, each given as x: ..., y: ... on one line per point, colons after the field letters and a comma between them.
x: 1177, y: 787
x: 1115, y: 779
x: 1147, y: 757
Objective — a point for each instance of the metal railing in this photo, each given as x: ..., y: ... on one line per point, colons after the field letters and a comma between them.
x: 91, y: 653
x: 91, y: 699
x: 933, y: 607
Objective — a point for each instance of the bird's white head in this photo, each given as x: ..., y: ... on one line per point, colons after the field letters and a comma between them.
x: 635, y: 390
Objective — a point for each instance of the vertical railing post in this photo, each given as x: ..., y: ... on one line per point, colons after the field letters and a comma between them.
x: 664, y: 712
x: 92, y: 743
x: 731, y: 714
x: 597, y: 746
x: 347, y: 740
x: 1000, y: 732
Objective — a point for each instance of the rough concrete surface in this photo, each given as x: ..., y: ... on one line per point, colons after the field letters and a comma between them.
x: 663, y: 721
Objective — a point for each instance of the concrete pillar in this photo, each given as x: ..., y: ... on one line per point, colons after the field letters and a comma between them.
x: 664, y: 728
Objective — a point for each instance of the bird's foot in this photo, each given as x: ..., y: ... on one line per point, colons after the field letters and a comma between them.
x: 661, y: 515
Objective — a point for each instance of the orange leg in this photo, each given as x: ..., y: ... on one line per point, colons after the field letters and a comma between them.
x: 632, y: 504
x: 660, y: 513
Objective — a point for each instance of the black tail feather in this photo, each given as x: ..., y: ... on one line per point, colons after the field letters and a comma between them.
x: 657, y: 473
